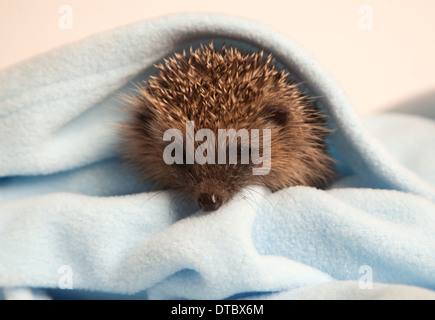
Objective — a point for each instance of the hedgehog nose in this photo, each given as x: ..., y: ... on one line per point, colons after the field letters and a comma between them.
x: 209, y: 202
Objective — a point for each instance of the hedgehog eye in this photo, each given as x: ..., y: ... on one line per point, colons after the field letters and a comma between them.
x: 184, y: 166
x: 276, y: 114
x: 242, y: 148
x: 184, y: 155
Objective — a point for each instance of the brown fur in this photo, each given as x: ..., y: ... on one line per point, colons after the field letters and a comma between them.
x: 223, y: 90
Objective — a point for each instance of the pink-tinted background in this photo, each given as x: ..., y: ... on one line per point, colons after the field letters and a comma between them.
x: 379, y: 67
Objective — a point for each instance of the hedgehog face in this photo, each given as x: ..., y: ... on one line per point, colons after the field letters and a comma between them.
x: 211, y: 185
x: 221, y: 91
x: 209, y: 167
x: 218, y: 166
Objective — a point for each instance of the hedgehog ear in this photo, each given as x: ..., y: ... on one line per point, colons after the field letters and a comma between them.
x: 277, y: 114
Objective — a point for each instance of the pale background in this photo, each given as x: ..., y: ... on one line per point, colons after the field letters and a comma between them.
x: 378, y: 68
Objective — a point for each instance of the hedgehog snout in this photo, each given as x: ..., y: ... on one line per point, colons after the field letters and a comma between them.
x: 210, y: 194
x: 209, y: 201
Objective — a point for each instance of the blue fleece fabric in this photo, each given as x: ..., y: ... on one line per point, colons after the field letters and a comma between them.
x: 71, y: 215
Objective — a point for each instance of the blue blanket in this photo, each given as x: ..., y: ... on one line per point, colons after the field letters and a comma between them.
x: 74, y: 222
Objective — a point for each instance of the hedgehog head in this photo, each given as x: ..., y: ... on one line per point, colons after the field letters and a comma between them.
x: 225, y: 90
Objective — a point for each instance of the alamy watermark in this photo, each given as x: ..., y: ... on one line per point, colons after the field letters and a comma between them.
x: 177, y: 153
x: 366, y: 280
x: 366, y: 19
x: 66, y: 19
x: 66, y: 278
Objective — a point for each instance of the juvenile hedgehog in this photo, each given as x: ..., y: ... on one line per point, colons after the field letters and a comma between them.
x: 225, y: 90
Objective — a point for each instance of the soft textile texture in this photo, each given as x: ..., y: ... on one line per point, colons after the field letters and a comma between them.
x: 71, y: 215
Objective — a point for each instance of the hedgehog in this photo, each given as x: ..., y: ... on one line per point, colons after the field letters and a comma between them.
x: 225, y: 89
